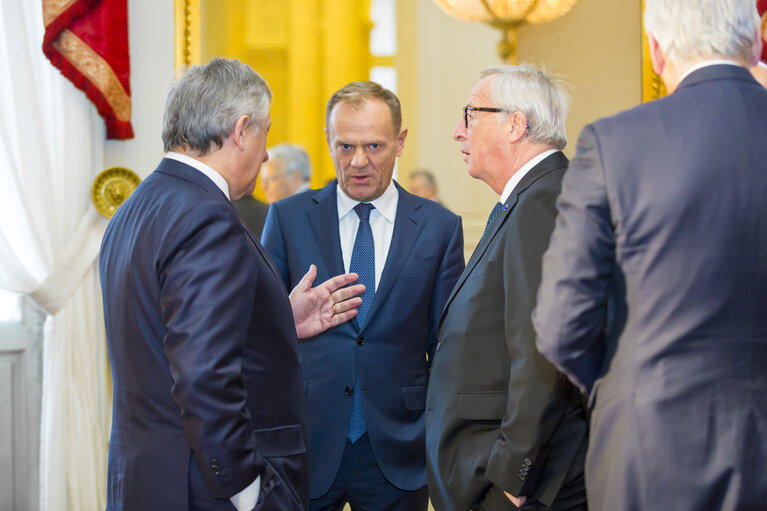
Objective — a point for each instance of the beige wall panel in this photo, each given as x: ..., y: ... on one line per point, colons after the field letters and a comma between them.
x: 596, y: 47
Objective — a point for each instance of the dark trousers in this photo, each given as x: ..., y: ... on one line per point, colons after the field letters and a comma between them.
x: 362, y: 484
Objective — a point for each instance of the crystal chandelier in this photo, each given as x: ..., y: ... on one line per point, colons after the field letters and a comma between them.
x: 507, y: 16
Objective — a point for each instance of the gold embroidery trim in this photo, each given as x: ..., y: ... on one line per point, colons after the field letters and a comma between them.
x: 94, y: 68
x: 52, y: 9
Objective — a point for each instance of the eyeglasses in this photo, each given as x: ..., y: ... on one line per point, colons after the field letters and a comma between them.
x: 468, y: 108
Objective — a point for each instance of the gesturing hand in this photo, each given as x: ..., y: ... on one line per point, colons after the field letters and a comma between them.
x: 517, y: 501
x: 325, y: 306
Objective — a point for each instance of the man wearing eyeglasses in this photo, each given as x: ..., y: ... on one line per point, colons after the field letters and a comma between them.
x: 504, y: 428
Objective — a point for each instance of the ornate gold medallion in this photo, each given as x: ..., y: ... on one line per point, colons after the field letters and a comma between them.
x: 111, y: 188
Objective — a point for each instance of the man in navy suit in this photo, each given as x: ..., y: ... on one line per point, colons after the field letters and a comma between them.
x: 654, y: 290
x: 209, y: 410
x: 365, y: 381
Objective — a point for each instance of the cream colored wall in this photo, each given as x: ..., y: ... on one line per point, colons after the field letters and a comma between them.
x: 596, y: 47
x: 151, y: 50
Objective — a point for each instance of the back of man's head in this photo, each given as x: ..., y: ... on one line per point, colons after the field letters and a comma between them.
x: 293, y: 158
x: 537, y: 94
x: 689, y: 31
x: 204, y: 103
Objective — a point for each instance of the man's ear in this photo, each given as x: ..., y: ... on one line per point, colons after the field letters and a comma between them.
x: 656, y: 55
x: 517, y: 126
x: 756, y: 50
x: 327, y: 139
x: 240, y: 131
x: 401, y: 141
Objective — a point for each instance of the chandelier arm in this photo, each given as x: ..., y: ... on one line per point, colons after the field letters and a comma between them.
x: 531, y: 9
x: 490, y: 10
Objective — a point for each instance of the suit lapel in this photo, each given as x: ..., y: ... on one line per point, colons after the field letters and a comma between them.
x: 552, y: 162
x: 323, y: 218
x: 408, y: 225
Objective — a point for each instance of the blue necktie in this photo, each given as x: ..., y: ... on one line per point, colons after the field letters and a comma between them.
x: 363, y: 264
x: 493, y: 214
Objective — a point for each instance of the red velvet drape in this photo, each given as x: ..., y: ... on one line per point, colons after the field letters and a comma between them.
x: 87, y: 40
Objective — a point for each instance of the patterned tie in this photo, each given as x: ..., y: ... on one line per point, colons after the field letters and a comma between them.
x: 363, y: 263
x: 493, y: 214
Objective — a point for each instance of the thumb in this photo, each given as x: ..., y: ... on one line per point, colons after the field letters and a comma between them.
x: 307, y: 280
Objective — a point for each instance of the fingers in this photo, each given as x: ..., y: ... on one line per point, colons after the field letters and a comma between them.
x: 337, y: 319
x: 339, y: 295
x: 339, y: 281
x: 341, y: 307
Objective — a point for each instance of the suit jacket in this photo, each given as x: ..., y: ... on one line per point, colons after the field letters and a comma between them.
x: 654, y: 296
x: 252, y: 212
x: 497, y: 412
x: 389, y: 354
x: 203, y: 353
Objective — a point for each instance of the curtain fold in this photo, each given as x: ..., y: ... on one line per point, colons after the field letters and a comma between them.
x: 87, y: 40
x: 51, y: 148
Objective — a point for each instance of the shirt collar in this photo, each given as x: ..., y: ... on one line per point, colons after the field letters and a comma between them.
x: 707, y: 63
x: 518, y: 175
x: 386, y: 204
x: 214, y: 176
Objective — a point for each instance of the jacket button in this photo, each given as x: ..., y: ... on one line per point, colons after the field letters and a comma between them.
x: 214, y: 466
x: 349, y: 391
x: 439, y: 345
x: 360, y: 340
x: 528, y: 462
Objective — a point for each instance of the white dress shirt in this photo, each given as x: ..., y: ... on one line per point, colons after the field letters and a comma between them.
x: 214, y: 176
x: 381, y: 224
x: 518, y: 175
x: 247, y: 498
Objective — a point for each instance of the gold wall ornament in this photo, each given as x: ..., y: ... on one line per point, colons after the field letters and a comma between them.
x: 507, y: 16
x: 111, y: 188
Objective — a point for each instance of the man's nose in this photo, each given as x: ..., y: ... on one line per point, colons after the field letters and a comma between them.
x: 359, y: 159
x: 459, y: 133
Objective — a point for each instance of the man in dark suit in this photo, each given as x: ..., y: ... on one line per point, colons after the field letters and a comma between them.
x: 365, y: 381
x: 252, y: 212
x: 209, y: 410
x: 654, y: 287
x: 503, y: 427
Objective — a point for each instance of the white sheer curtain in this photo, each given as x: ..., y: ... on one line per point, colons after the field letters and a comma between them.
x: 51, y: 148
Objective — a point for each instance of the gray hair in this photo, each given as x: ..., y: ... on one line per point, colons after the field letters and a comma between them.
x: 293, y: 158
x: 356, y: 93
x: 426, y: 174
x: 690, y: 30
x: 537, y: 94
x: 204, y: 103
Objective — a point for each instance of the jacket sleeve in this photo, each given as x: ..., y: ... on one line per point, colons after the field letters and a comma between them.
x: 450, y: 268
x: 274, y: 243
x: 572, y: 303
x: 538, y: 395
x: 207, y: 276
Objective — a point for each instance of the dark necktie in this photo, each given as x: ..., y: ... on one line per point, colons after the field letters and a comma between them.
x: 493, y: 214
x: 363, y: 264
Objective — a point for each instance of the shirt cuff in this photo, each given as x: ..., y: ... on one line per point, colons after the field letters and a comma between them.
x: 247, y: 498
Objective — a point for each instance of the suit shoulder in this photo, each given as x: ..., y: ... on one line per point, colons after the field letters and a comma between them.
x: 300, y: 200
x: 428, y: 207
